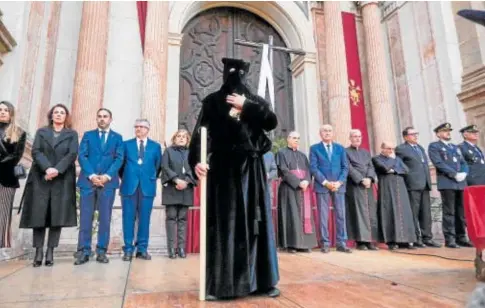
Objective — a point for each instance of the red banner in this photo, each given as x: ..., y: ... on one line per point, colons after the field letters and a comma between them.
x: 142, y: 17
x: 356, y: 91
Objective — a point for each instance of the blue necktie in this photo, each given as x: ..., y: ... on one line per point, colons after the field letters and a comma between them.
x: 141, y: 151
x: 103, y: 139
x: 329, y: 151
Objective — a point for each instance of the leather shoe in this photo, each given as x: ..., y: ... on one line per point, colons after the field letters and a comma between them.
x: 372, y: 247
x: 210, y: 298
x: 344, y: 249
x: 81, y: 259
x: 128, y: 256
x: 419, y: 244
x: 452, y: 245
x: 274, y: 292
x: 362, y: 247
x: 464, y: 243
x: 411, y: 246
x: 49, y: 256
x: 325, y: 249
x: 181, y: 253
x: 432, y: 243
x: 171, y: 253
x: 143, y: 255
x: 102, y: 258
x: 39, y: 256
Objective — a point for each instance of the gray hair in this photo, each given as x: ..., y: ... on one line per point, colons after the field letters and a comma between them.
x: 326, y: 126
x: 142, y: 122
x: 354, y: 131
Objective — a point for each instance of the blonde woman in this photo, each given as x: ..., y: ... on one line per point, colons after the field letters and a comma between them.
x: 178, y: 191
x: 12, y: 145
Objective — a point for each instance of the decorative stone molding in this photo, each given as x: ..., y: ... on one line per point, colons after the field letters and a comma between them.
x: 175, y: 39
x: 7, y: 42
x: 297, y: 65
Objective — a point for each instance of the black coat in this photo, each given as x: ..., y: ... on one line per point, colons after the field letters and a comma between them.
x: 51, y: 203
x: 418, y: 177
x: 175, y: 165
x: 9, y: 160
x: 241, y: 251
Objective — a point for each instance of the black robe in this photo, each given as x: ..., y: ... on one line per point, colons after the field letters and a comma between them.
x: 395, y: 217
x: 290, y: 202
x: 241, y: 251
x: 361, y: 207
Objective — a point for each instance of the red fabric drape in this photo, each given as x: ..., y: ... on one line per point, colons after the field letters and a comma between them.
x: 142, y: 6
x: 192, y: 244
x: 356, y: 90
x: 474, y: 203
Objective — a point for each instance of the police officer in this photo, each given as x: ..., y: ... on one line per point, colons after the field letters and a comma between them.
x: 451, y: 171
x: 473, y: 156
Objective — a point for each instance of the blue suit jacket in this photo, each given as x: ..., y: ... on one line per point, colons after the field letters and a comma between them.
x: 93, y: 160
x: 331, y: 169
x: 144, y: 175
x: 443, y: 158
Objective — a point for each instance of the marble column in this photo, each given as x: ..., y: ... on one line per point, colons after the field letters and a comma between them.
x: 381, y: 108
x: 91, y: 65
x: 336, y: 61
x: 155, y: 68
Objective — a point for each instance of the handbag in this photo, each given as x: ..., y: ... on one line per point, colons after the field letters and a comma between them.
x: 19, y: 170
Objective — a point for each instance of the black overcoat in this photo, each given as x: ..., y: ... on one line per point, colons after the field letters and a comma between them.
x: 51, y: 203
x: 175, y: 165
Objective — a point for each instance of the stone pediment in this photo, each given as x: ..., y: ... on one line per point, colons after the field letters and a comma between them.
x: 7, y: 42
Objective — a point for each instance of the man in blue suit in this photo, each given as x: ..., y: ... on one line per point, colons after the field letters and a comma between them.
x: 451, y: 172
x: 100, y: 157
x: 329, y: 167
x: 139, y: 173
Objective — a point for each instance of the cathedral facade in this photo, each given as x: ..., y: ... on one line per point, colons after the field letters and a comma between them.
x: 376, y: 66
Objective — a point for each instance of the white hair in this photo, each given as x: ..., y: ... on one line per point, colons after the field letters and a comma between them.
x: 354, y: 131
x: 326, y: 126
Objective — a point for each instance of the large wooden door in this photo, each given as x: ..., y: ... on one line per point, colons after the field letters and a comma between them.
x: 208, y: 38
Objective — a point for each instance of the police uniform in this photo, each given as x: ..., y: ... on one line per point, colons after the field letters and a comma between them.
x: 450, y: 163
x: 474, y: 158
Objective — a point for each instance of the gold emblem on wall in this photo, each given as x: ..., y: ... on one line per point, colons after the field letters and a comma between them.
x: 354, y: 92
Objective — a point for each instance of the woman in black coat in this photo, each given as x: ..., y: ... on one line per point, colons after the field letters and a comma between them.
x: 178, y: 191
x: 12, y: 145
x: 50, y: 193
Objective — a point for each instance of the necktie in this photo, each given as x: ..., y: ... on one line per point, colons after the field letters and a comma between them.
x: 419, y: 152
x: 103, y: 139
x: 141, y: 151
x: 329, y: 151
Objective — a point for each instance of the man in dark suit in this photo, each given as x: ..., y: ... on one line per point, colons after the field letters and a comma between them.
x: 451, y: 172
x: 100, y: 158
x: 473, y: 155
x: 141, y: 167
x: 418, y: 184
x: 329, y: 167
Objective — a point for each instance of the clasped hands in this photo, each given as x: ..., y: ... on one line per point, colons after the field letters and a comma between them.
x: 332, y: 186
x: 51, y: 173
x: 304, y: 185
x: 366, y: 182
x: 99, y: 180
x: 460, y: 176
x: 180, y: 184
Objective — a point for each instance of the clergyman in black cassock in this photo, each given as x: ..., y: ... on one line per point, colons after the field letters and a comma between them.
x: 296, y: 226
x: 396, y: 224
x: 359, y: 196
x: 418, y: 183
x: 241, y: 249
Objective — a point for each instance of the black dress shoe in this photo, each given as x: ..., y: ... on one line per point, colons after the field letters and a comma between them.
x: 291, y: 250
x: 452, y: 245
x: 172, y: 253
x: 419, y: 244
x: 372, y: 247
x: 344, y: 249
x: 210, y: 298
x: 39, y: 256
x: 181, y: 253
x: 362, y: 247
x: 274, y: 292
x: 464, y: 243
x: 325, y: 249
x: 49, y: 256
x: 102, y: 258
x: 411, y: 246
x: 143, y: 255
x: 431, y: 243
x: 127, y: 256
x: 81, y: 259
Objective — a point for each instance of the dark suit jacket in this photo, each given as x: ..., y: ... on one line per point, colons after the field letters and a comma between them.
x: 94, y: 160
x: 9, y: 160
x: 418, y: 177
x: 473, y: 157
x: 335, y: 168
x: 448, y: 161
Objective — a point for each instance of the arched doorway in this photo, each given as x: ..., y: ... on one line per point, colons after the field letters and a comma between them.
x: 208, y: 38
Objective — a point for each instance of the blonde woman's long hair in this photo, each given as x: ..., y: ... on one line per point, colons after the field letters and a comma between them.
x: 12, y: 132
x: 181, y: 131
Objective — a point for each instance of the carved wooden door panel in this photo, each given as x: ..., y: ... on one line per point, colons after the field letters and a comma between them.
x: 208, y: 38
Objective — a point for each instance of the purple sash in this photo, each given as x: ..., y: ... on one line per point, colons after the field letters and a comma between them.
x: 307, y: 204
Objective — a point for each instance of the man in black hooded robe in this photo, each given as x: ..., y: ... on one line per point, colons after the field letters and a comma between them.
x: 241, y: 250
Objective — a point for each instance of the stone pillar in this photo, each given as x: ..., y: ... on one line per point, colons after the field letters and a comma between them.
x: 382, y: 113
x: 91, y: 65
x: 155, y: 68
x: 338, y: 88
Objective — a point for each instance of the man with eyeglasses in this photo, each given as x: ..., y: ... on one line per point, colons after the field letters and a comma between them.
x: 473, y: 155
x: 418, y: 183
x: 451, y: 173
